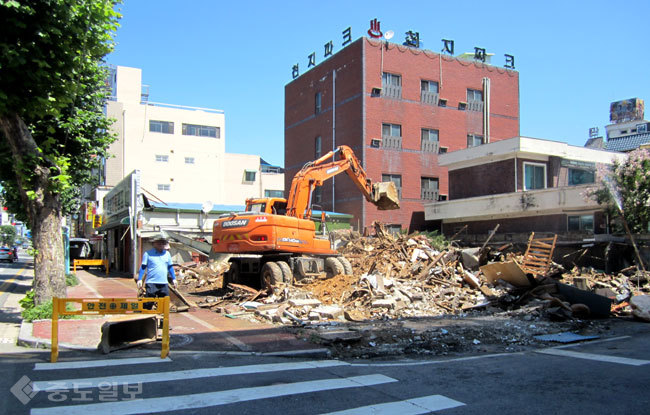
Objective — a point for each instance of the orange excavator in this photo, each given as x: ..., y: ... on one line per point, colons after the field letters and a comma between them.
x: 275, y: 239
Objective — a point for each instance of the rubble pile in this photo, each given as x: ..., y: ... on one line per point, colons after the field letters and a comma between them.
x: 204, y: 276
x: 476, y: 298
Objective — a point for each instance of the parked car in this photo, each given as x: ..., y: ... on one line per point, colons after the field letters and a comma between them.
x: 7, y: 254
x: 80, y: 248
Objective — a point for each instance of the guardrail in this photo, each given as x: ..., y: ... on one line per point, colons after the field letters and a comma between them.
x: 102, y: 306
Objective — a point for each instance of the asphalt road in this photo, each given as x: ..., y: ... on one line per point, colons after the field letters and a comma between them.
x: 607, y: 376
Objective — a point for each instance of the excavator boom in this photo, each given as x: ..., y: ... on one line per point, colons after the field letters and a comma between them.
x: 383, y: 195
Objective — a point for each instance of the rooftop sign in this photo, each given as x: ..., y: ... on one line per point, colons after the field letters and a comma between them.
x: 412, y: 39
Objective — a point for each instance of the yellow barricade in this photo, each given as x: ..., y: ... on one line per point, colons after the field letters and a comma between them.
x: 101, y: 306
x: 82, y: 262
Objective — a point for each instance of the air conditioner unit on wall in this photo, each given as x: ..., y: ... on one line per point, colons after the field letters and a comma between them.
x: 442, y: 102
x: 375, y: 142
x: 375, y: 92
x: 462, y: 106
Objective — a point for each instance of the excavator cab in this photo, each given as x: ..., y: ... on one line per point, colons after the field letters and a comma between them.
x: 273, y: 205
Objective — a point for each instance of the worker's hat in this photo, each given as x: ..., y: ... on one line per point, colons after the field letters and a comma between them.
x: 159, y: 237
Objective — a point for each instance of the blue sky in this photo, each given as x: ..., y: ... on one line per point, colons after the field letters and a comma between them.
x: 573, y: 57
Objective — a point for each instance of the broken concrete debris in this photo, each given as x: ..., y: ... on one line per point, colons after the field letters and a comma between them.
x: 398, y: 277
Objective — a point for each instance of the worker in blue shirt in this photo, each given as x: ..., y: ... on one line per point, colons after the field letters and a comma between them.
x: 157, y: 262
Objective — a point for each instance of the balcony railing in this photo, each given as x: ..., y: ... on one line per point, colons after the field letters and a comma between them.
x: 391, y: 91
x: 475, y: 105
x: 429, y: 146
x: 390, y: 141
x: 429, y: 98
x: 429, y: 194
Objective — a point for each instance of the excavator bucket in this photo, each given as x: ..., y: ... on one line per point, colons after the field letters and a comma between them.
x: 385, y: 196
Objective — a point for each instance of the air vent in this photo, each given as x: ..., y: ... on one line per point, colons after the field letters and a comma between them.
x: 375, y: 92
x: 442, y: 102
x: 462, y: 106
x: 375, y: 142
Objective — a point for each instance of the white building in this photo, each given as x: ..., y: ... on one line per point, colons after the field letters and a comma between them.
x: 180, y: 150
x: 180, y: 155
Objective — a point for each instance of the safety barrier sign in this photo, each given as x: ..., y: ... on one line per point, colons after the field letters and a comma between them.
x: 87, y: 262
x: 102, y: 306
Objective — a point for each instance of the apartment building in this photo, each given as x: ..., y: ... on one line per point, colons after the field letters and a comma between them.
x: 398, y: 107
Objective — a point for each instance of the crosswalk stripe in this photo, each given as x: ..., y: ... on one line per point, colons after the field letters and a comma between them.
x: 100, y: 363
x: 415, y: 406
x: 202, y: 400
x: 592, y: 356
x: 181, y: 375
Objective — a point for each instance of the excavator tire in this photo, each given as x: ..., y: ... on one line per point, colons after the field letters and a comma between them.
x: 232, y: 275
x: 271, y: 274
x: 287, y: 275
x: 333, y: 267
x: 347, y: 267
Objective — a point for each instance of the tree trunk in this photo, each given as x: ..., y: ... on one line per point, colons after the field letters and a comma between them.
x: 43, y: 208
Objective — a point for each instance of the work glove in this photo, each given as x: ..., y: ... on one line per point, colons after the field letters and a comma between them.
x: 139, y: 284
x: 175, y: 284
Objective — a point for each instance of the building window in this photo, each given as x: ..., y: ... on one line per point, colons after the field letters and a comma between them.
x: 393, y: 229
x: 391, y: 85
x: 318, y: 151
x: 581, y: 223
x: 249, y: 176
x: 201, y: 130
x: 391, y: 130
x: 428, y: 188
x: 164, y: 187
x: 161, y: 158
x: 580, y: 176
x: 273, y: 193
x: 474, y: 140
x: 165, y: 127
x: 395, y: 178
x: 429, y: 140
x: 474, y: 95
x: 534, y: 176
x: 429, y: 86
x: 474, y: 100
x: 391, y: 136
x: 317, y: 103
x: 389, y: 79
x: 429, y: 92
x: 189, y: 160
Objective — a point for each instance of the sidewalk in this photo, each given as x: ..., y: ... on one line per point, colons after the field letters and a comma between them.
x: 194, y: 330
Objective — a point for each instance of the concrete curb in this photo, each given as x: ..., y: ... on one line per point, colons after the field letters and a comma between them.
x: 26, y: 339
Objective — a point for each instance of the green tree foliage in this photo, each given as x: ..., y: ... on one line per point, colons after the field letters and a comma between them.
x: 7, y: 235
x: 52, y: 127
x: 627, y: 184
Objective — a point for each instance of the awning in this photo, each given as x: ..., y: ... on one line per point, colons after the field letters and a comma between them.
x: 114, y: 224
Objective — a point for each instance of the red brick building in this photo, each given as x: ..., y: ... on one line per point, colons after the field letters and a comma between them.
x: 397, y: 107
